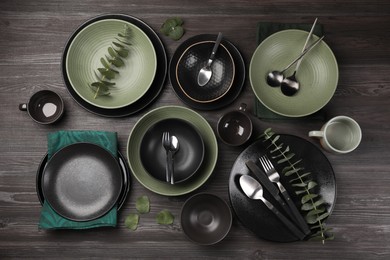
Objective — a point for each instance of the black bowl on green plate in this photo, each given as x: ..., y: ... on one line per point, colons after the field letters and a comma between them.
x: 134, y: 148
x: 187, y: 160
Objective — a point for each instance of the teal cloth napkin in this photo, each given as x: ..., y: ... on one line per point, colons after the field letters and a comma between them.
x: 265, y: 29
x: 49, y: 219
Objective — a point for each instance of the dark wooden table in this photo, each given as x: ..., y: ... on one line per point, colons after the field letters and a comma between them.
x: 32, y: 38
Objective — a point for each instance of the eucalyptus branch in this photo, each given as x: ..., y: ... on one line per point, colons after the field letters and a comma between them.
x: 311, y: 202
x: 117, y: 52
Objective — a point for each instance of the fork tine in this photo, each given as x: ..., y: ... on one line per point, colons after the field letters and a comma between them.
x: 263, y: 163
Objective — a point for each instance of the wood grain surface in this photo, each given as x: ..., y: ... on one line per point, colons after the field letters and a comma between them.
x: 32, y: 38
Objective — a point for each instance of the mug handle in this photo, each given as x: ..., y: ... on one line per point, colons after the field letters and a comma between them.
x: 318, y: 134
x: 23, y: 107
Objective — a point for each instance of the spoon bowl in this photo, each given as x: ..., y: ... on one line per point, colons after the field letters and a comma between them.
x: 174, y: 147
x: 206, y: 72
x: 275, y: 78
x: 290, y: 85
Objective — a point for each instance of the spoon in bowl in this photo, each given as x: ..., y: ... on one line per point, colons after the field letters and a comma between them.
x: 253, y: 190
x: 290, y: 85
x: 205, y: 73
x: 275, y: 78
x: 174, y: 147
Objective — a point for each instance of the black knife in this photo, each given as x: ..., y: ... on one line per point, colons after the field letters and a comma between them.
x: 269, y: 186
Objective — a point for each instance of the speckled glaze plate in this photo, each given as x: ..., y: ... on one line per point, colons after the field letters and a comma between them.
x: 209, y: 98
x: 318, y: 74
x: 253, y: 214
x: 134, y: 147
x: 125, y: 179
x: 82, y: 181
x: 147, y: 97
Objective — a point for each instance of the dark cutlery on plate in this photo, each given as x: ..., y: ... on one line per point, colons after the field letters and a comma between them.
x: 253, y: 190
x: 274, y: 177
x: 269, y: 186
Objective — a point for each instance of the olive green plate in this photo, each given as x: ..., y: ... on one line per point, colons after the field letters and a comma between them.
x: 91, y: 44
x: 134, y: 146
x: 318, y: 73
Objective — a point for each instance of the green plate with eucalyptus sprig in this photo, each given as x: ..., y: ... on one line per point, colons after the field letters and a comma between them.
x: 132, y: 78
x: 318, y: 74
x: 134, y: 147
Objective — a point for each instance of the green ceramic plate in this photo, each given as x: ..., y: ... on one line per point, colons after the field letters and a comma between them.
x: 134, y: 145
x: 91, y: 44
x: 318, y: 73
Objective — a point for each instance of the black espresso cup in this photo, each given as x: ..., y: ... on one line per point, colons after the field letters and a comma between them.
x: 44, y: 107
x: 235, y: 127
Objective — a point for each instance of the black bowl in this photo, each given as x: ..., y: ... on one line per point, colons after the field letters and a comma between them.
x: 187, y: 159
x: 206, y: 219
x: 193, y: 59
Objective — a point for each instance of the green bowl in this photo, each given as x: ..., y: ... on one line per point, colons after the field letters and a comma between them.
x: 318, y: 74
x: 91, y: 44
x: 134, y: 147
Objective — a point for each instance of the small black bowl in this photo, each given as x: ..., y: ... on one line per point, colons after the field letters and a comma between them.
x: 206, y: 219
x: 187, y: 159
x: 193, y: 59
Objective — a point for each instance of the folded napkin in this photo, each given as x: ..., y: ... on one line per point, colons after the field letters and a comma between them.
x: 265, y: 29
x: 49, y: 218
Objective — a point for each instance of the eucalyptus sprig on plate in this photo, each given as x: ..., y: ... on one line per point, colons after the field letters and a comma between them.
x: 300, y: 179
x: 117, y: 52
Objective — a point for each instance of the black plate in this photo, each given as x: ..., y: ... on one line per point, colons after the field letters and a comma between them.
x: 234, y: 90
x: 188, y: 158
x: 125, y: 179
x: 82, y: 181
x: 254, y: 214
x: 153, y: 91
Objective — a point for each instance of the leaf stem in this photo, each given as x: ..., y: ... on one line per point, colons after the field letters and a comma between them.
x: 320, y: 224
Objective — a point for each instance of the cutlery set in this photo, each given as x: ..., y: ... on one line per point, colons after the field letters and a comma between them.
x: 268, y: 177
x: 171, y: 145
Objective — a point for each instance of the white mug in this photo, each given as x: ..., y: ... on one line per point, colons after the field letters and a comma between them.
x: 339, y: 135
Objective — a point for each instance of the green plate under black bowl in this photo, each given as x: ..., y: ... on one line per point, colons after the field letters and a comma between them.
x: 134, y: 147
x: 318, y: 74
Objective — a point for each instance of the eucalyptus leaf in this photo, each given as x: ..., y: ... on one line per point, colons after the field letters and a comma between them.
x: 118, y: 45
x: 309, y: 206
x: 118, y: 62
x: 123, y: 41
x: 316, y: 211
x: 172, y: 28
x: 301, y: 176
x: 292, y: 171
x: 142, y: 204
x: 287, y: 158
x: 131, y: 221
x: 308, y: 197
x: 165, y: 217
x: 107, y: 73
x: 311, y: 185
x: 112, y: 52
x: 123, y: 53
x: 104, y: 63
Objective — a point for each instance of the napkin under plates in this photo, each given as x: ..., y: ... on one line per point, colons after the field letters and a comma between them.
x: 265, y: 29
x: 49, y: 219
